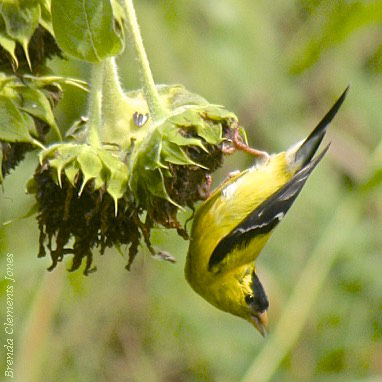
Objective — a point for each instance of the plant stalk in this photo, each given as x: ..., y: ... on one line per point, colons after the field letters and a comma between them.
x: 116, y: 108
x: 95, y: 104
x: 157, y: 110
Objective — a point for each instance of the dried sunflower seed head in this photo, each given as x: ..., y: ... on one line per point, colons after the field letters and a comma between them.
x: 170, y: 166
x: 95, y: 196
x: 83, y: 202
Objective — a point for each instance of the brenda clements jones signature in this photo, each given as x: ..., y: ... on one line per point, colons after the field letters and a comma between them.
x: 8, y: 322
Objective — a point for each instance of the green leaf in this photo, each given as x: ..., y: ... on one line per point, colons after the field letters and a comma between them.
x: 85, y: 29
x: 46, y: 16
x: 7, y: 43
x: 21, y: 19
x: 14, y: 127
x: 43, y: 81
x: 35, y: 103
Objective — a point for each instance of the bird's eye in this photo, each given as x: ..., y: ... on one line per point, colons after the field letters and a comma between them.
x: 249, y: 299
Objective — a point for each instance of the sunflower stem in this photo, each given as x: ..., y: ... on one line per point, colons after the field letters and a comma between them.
x: 95, y: 104
x: 157, y: 110
x: 117, y: 109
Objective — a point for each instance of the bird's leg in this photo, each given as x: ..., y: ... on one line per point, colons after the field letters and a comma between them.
x: 240, y: 145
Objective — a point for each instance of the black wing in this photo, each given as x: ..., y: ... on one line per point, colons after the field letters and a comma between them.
x: 265, y: 217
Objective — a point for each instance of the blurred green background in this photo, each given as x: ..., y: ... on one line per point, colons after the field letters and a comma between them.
x: 279, y: 66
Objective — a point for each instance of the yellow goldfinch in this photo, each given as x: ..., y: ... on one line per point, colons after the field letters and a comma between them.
x: 232, y: 226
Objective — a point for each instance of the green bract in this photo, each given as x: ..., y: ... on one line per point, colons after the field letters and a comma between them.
x: 87, y: 163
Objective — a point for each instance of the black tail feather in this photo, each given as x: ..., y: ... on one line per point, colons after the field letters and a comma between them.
x: 307, y: 150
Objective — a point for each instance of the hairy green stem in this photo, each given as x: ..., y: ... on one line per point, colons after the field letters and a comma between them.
x: 116, y: 109
x: 112, y: 90
x: 150, y: 91
x: 296, y: 312
x: 95, y: 104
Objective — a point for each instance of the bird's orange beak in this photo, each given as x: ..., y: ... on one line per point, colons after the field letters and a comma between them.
x: 260, y: 322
